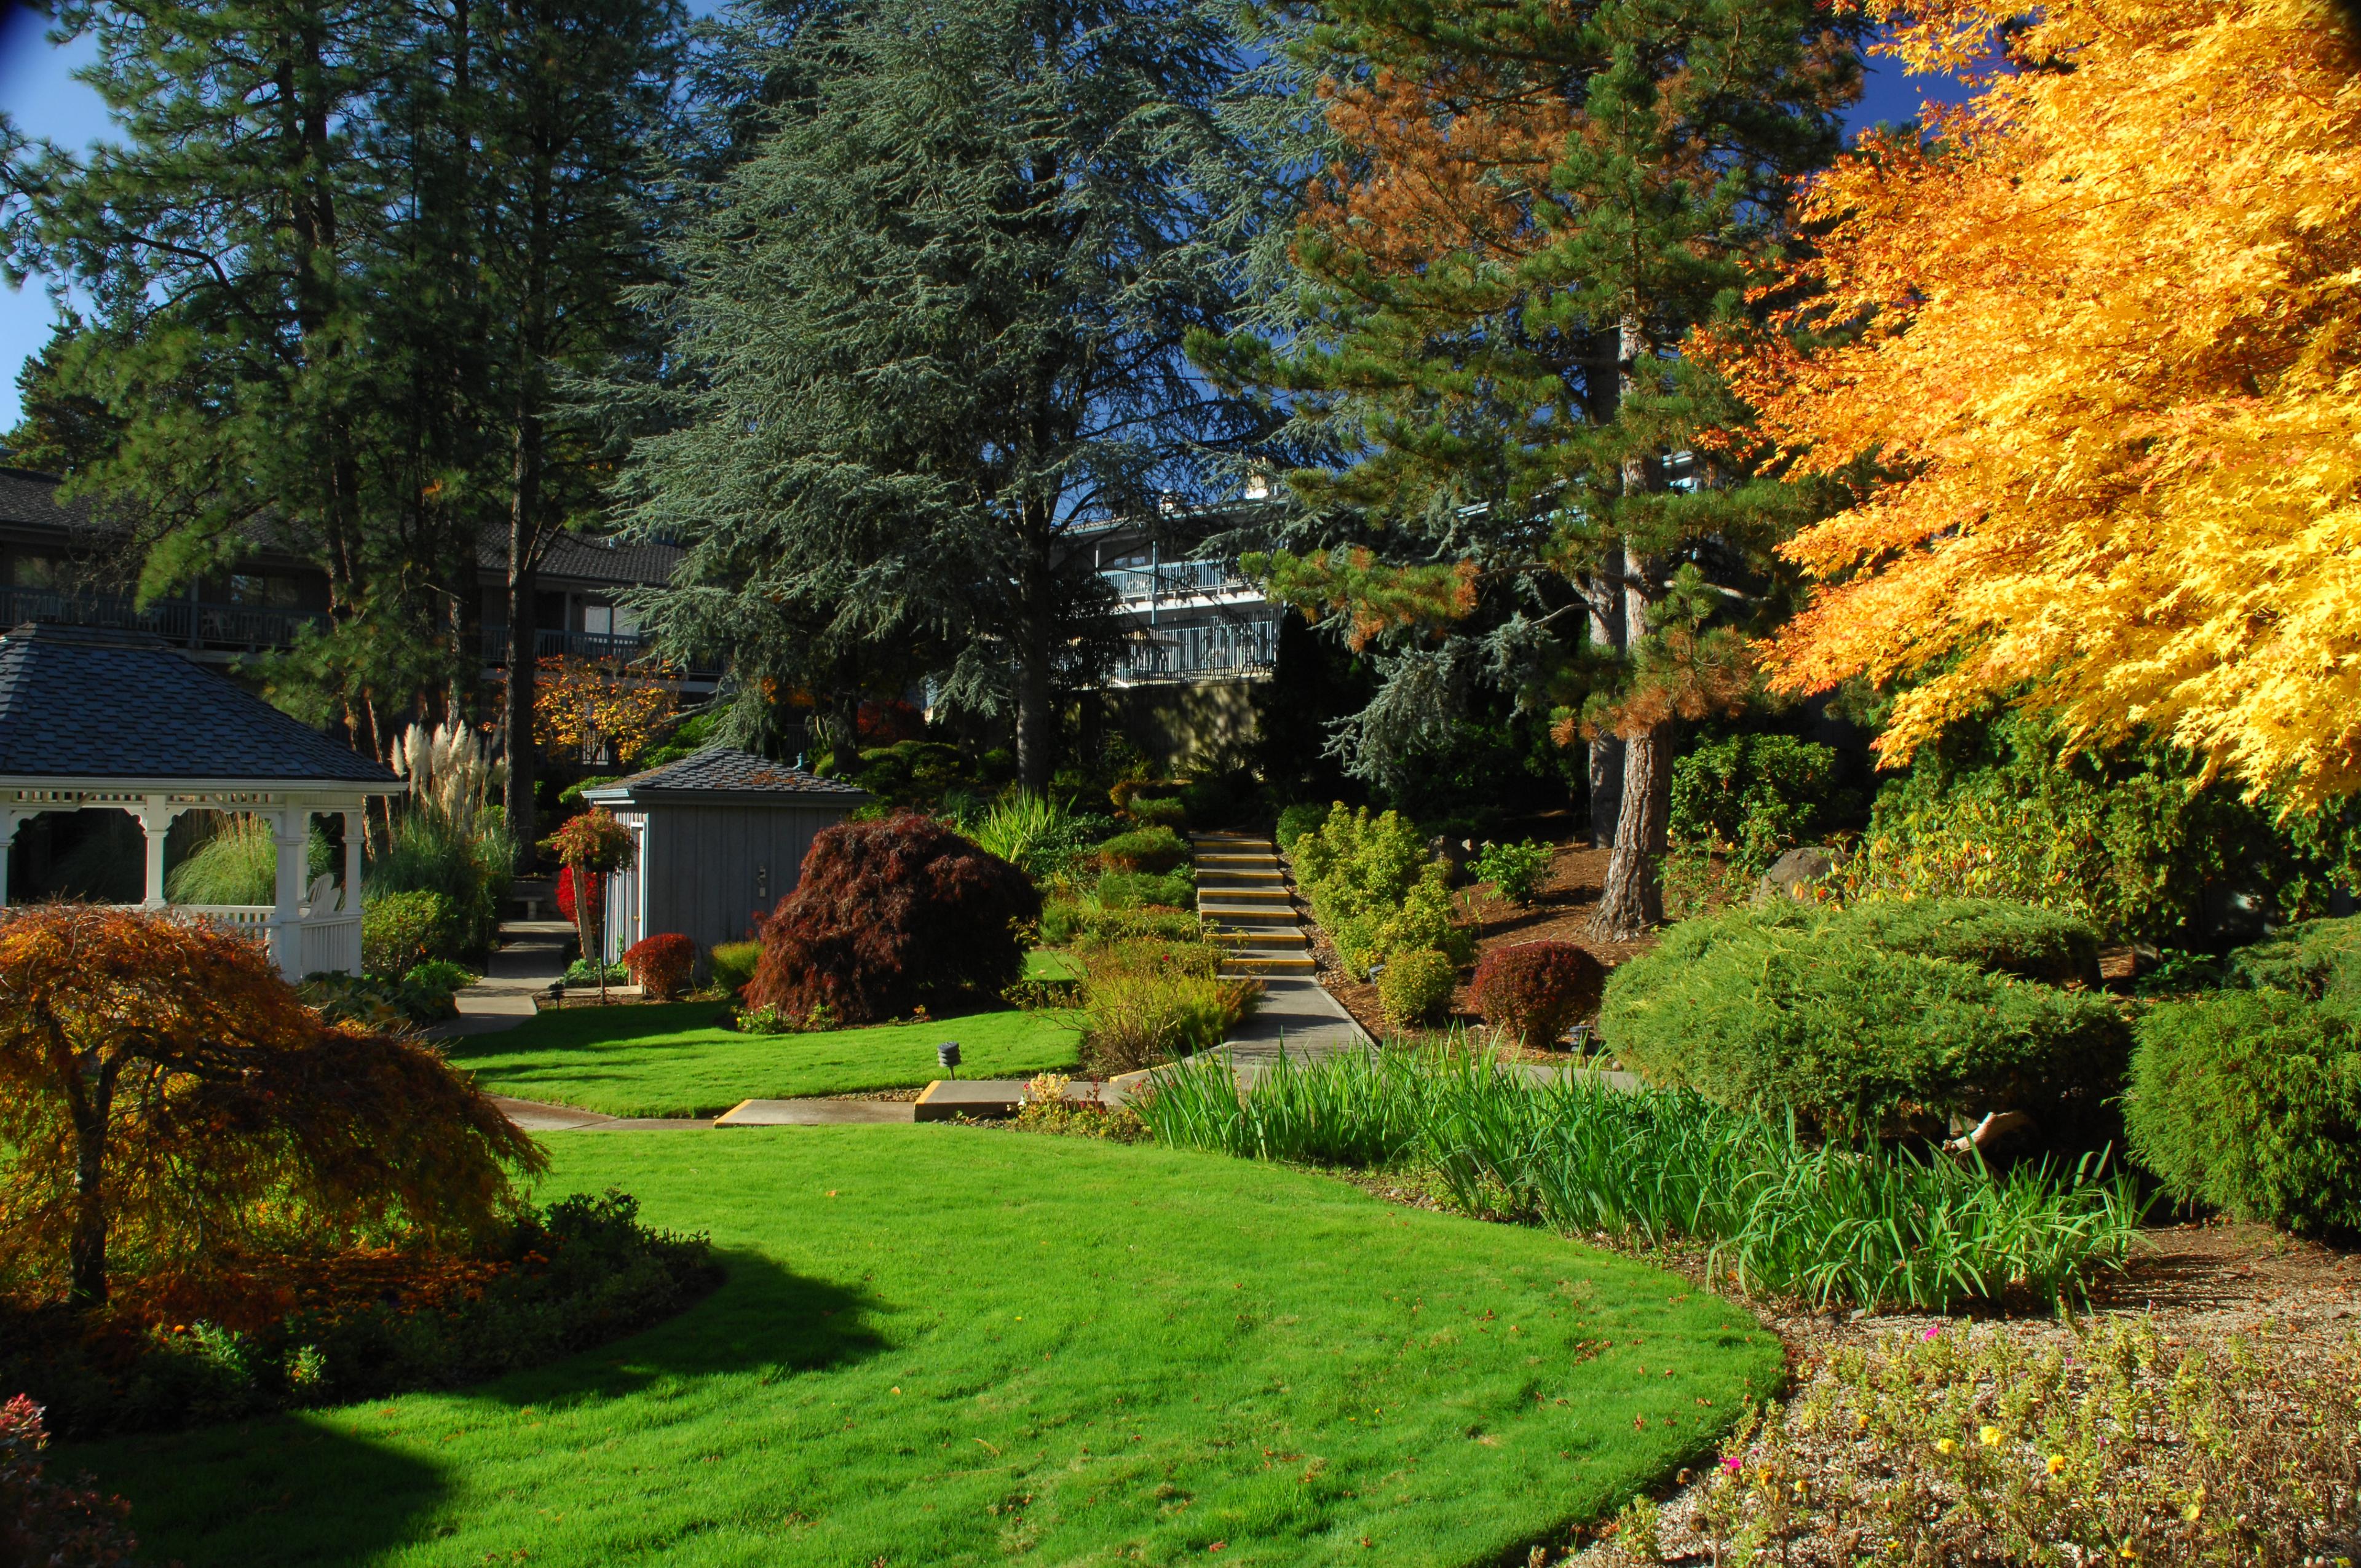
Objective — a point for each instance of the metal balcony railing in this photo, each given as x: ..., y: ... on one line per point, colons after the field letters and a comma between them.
x: 1175, y: 581
x: 548, y: 643
x: 221, y: 627
x: 1219, y: 648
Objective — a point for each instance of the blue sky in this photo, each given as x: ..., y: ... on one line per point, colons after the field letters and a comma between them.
x: 39, y: 93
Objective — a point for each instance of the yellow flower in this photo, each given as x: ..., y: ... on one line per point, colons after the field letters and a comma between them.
x: 2191, y: 1511
x: 2056, y: 1463
x: 1989, y: 1437
x: 1947, y: 1446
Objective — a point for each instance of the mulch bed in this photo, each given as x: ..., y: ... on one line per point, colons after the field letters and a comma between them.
x: 1564, y: 902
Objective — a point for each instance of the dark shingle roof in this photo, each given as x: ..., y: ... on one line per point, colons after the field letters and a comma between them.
x: 115, y: 705
x: 607, y: 560
x: 722, y: 769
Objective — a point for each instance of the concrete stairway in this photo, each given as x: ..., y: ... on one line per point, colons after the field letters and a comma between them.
x: 1241, y: 889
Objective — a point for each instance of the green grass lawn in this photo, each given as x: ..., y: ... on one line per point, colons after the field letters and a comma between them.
x: 671, y: 1059
x: 943, y: 1345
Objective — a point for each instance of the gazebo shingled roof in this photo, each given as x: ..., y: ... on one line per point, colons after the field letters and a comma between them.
x: 98, y: 720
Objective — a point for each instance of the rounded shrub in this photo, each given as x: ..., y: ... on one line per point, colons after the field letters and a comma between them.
x: 1532, y: 993
x: 891, y: 916
x: 1150, y: 850
x: 732, y: 964
x: 1774, y: 1015
x: 1414, y: 986
x: 1159, y: 811
x: 662, y: 964
x: 1136, y: 890
x: 401, y: 931
x: 2318, y: 959
x: 1988, y: 934
x: 1297, y: 820
x: 2250, y: 1102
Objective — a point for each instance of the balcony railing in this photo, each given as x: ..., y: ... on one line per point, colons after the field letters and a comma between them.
x: 620, y: 647
x: 221, y: 627
x: 1177, y: 581
x: 1219, y: 648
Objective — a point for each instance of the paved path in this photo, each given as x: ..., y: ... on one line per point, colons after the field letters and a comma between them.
x: 1242, y: 888
x: 532, y: 953
x: 534, y: 1116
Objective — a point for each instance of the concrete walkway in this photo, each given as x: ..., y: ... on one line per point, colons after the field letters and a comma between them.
x: 1242, y: 888
x: 532, y: 953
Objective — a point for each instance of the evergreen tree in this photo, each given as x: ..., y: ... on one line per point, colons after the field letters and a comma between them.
x: 1535, y: 205
x: 931, y: 322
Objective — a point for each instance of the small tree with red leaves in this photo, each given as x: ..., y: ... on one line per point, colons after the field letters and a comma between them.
x: 889, y: 916
x: 159, y: 1082
x: 662, y: 964
x: 591, y: 848
x: 53, y: 1523
x: 1532, y: 992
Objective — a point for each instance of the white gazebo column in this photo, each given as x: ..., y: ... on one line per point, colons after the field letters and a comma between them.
x: 155, y: 821
x: 291, y: 830
x: 351, y: 899
x: 9, y: 817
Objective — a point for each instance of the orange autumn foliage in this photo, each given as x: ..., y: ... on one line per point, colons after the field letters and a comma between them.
x: 2102, y: 336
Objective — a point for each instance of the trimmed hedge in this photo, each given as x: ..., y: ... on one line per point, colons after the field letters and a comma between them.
x: 1806, y: 1011
x: 2250, y: 1102
x: 1988, y: 934
x: 1152, y: 849
x: 1534, y: 991
x: 662, y: 964
x: 1414, y: 986
x: 2317, y: 959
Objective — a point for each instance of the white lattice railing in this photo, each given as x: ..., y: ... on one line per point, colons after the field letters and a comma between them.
x: 324, y: 942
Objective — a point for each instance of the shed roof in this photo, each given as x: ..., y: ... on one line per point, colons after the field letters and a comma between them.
x: 724, y: 770
x: 83, y: 702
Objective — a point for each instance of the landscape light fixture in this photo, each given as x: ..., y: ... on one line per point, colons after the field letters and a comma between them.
x: 1580, y: 1039
x: 947, y: 1054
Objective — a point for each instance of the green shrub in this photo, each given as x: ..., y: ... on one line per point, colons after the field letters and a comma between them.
x: 581, y: 971
x: 1144, y: 850
x: 427, y: 853
x: 401, y: 931
x: 1038, y: 833
x: 1376, y: 892
x: 732, y: 964
x: 2250, y: 1102
x: 1158, y: 811
x: 1148, y: 1001
x: 2046, y: 945
x: 1753, y: 797
x: 1774, y: 1015
x: 1131, y: 890
x: 1414, y: 986
x: 1303, y: 818
x: 572, y: 794
x: 2318, y: 959
x: 1513, y: 870
x: 441, y: 975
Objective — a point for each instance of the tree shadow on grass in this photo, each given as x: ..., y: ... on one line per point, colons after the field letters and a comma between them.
x: 318, y: 1487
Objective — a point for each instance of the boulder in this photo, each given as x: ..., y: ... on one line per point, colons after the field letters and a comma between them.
x: 1792, y: 874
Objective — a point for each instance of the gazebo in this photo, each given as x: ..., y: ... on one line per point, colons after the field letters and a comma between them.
x: 105, y: 720
x: 720, y: 838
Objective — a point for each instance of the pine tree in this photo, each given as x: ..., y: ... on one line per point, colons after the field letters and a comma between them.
x: 1536, y: 205
x: 930, y: 322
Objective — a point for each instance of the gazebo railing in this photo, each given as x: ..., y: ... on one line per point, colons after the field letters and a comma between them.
x: 323, y: 941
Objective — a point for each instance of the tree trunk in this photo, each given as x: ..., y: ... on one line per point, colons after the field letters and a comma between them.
x: 1606, y: 595
x: 523, y: 579
x: 86, y: 1251
x: 1634, y: 897
x: 1037, y: 719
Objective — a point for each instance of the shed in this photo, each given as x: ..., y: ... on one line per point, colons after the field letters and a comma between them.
x: 99, y: 721
x: 720, y: 838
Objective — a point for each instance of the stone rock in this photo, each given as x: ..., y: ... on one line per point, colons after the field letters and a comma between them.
x: 1793, y: 873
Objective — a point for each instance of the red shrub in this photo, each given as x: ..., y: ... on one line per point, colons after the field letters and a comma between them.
x: 661, y: 964
x: 47, y: 1521
x: 891, y: 915
x: 597, y: 885
x: 1534, y: 991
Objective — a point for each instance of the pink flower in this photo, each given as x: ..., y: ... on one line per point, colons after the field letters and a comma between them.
x: 1935, y: 1333
x: 1730, y: 1464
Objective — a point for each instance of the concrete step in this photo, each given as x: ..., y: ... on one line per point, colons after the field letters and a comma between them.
x: 1248, y: 914
x: 1240, y: 968
x: 1258, y: 875
x: 1261, y: 893
x: 1265, y: 936
x: 1227, y: 857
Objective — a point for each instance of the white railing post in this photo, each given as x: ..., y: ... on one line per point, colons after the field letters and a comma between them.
x: 290, y: 829
x: 155, y: 821
x: 352, y: 900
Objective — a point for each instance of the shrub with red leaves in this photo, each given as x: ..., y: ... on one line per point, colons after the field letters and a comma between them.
x: 660, y: 964
x: 46, y: 1521
x: 889, y: 916
x: 565, y: 909
x: 1534, y: 991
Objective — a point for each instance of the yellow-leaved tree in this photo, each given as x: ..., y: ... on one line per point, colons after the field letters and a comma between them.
x: 2098, y: 334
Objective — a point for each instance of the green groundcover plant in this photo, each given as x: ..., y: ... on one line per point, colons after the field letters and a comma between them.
x: 2249, y: 1102
x: 1376, y: 891
x: 1833, y: 1225
x: 1850, y: 1018
x: 1129, y: 1354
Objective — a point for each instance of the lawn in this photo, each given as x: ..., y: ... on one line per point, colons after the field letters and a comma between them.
x: 943, y: 1345
x: 671, y: 1059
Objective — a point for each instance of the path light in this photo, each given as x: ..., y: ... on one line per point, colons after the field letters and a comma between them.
x: 1580, y: 1039
x: 947, y: 1054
